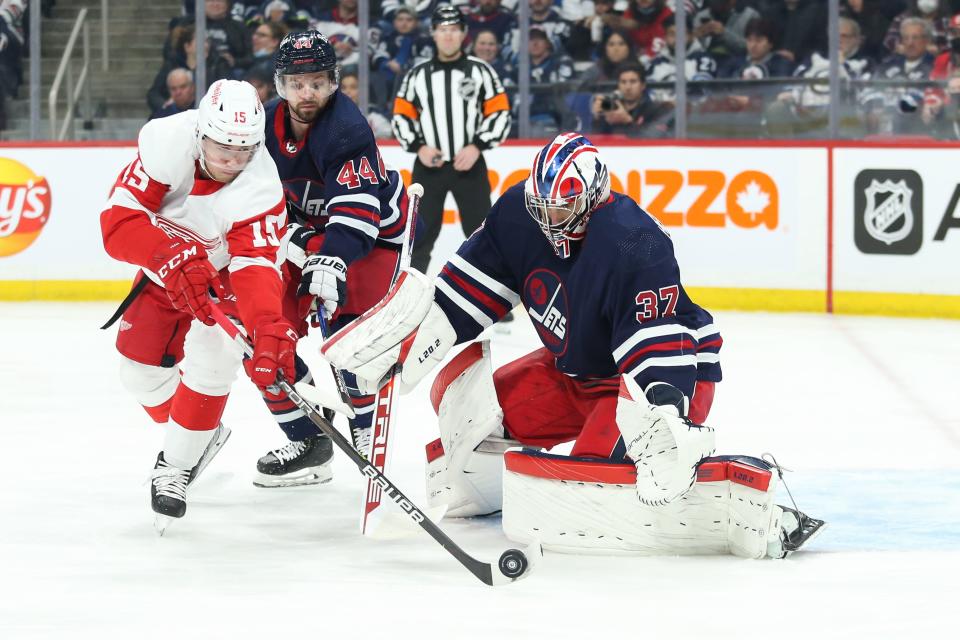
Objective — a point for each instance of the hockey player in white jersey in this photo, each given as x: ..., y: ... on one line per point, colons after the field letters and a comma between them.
x: 200, y: 209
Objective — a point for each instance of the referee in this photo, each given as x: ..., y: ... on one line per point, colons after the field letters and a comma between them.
x: 448, y: 110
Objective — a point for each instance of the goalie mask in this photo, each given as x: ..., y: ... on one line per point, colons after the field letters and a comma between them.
x: 568, y: 181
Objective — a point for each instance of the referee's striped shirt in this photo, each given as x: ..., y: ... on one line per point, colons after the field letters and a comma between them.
x: 448, y: 105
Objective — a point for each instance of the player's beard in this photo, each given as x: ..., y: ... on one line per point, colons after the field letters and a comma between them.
x: 308, y: 116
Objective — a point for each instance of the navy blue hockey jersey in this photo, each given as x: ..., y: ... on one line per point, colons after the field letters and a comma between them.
x: 336, y: 176
x: 615, y: 306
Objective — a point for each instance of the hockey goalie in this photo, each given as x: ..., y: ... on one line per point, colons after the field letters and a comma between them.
x: 626, y: 371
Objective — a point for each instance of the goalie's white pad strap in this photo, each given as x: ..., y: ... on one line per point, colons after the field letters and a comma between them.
x: 372, y: 341
x: 664, y: 447
x: 575, y: 505
x: 460, y: 472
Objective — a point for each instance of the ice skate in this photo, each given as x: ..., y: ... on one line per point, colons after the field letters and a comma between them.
x: 297, y: 463
x: 796, y: 530
x: 168, y: 493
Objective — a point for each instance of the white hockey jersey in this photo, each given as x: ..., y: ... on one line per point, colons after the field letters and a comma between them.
x: 239, y: 224
x: 162, y: 194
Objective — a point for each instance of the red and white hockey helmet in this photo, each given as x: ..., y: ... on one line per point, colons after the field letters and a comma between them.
x: 568, y: 181
x: 231, y: 113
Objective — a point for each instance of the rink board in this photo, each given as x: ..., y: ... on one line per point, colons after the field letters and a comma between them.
x: 757, y: 226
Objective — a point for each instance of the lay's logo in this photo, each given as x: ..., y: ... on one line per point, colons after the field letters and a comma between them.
x: 24, y: 206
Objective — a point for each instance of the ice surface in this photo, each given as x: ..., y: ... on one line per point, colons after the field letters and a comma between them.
x: 863, y: 409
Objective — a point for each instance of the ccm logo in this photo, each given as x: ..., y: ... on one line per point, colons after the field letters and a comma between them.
x: 176, y: 261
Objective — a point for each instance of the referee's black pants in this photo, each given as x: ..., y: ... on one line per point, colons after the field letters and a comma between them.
x: 471, y: 192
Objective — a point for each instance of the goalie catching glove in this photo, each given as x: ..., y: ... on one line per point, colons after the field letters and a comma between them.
x: 406, y: 329
x: 664, y: 445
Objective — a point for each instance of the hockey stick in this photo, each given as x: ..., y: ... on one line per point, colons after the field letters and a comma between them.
x: 513, y: 563
x: 383, y: 407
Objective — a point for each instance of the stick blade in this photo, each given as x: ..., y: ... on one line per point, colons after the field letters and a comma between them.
x: 324, y: 396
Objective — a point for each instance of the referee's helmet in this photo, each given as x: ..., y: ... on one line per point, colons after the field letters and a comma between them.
x: 447, y: 14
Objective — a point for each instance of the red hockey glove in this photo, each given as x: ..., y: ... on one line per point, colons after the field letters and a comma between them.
x: 274, y: 347
x: 187, y: 276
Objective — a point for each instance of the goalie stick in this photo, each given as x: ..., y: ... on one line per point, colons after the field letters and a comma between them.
x: 512, y: 565
x: 383, y: 407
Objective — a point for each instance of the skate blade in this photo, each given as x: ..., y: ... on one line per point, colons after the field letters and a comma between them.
x: 161, y: 522
x: 309, y: 476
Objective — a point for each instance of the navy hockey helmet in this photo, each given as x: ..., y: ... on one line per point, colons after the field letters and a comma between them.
x: 447, y: 14
x: 305, y: 52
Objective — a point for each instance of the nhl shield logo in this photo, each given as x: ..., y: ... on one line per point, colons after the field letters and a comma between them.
x: 467, y: 88
x: 888, y: 211
x: 888, y: 217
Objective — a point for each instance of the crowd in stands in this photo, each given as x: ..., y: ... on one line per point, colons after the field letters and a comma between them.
x: 755, y: 67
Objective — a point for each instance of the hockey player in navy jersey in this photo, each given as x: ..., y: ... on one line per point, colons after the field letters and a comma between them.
x: 603, y: 292
x: 626, y: 372
x: 349, y: 215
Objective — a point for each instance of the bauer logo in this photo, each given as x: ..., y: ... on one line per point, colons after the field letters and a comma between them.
x: 888, y: 211
x: 24, y: 206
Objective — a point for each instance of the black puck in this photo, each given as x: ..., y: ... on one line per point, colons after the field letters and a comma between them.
x: 513, y: 563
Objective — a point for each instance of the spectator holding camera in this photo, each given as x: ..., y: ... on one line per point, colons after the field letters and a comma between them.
x: 629, y: 111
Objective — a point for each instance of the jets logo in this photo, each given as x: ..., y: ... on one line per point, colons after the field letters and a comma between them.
x: 546, y: 302
x: 291, y: 146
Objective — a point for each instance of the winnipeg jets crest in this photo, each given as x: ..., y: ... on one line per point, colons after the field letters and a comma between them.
x: 547, y: 306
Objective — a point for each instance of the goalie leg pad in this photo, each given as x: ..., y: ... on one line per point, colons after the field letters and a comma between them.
x: 465, y: 466
x: 588, y: 506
